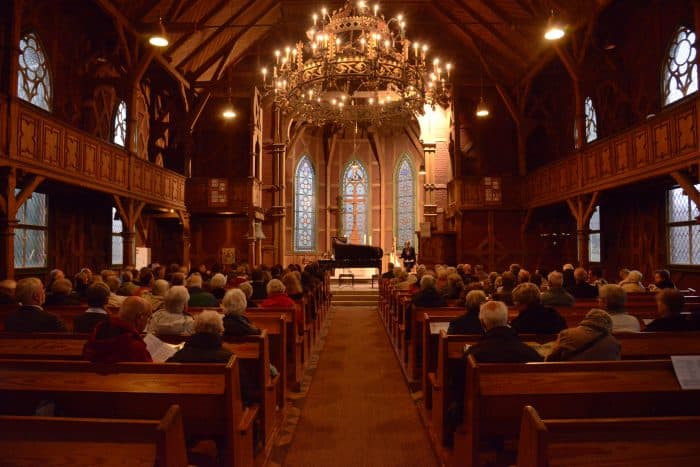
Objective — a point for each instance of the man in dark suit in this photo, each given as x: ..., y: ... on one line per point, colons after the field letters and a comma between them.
x: 31, y: 317
x: 581, y: 288
x: 408, y: 255
x: 97, y: 297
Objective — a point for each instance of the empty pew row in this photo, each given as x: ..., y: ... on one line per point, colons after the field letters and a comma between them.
x: 633, y: 441
x: 438, y: 396
x: 54, y: 441
x: 208, y: 395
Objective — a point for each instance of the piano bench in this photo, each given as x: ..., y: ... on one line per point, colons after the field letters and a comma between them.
x: 350, y: 276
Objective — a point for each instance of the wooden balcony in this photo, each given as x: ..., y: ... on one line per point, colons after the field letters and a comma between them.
x: 660, y: 145
x: 232, y: 196
x: 473, y: 192
x: 42, y: 144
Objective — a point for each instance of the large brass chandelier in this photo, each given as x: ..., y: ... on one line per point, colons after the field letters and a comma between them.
x: 356, y: 67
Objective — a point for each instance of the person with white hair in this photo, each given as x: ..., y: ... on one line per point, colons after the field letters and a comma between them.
x: 276, y: 295
x: 173, y: 319
x: 30, y: 316
x: 633, y: 282
x: 248, y: 290
x: 555, y: 295
x: 236, y: 323
x: 204, y: 346
x: 157, y: 294
x: 428, y: 295
x: 217, y: 285
x: 500, y: 342
x: 469, y: 322
x: 613, y: 299
x: 198, y: 296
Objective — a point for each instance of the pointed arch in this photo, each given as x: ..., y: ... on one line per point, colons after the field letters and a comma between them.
x: 404, y: 201
x: 305, y: 205
x: 119, y: 124
x: 680, y: 72
x: 354, y: 187
x: 34, y: 74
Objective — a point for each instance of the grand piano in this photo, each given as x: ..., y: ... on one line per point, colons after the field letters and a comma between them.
x: 348, y: 255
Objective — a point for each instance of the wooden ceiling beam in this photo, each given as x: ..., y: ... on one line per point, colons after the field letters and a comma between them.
x: 185, y: 37
x: 147, y: 7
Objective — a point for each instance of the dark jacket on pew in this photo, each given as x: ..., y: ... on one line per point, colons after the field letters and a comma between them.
x: 33, y: 319
x: 673, y: 323
x: 539, y: 319
x: 202, y: 348
x: 428, y: 298
x: 468, y: 323
x: 85, y: 323
x: 502, y: 345
x: 239, y: 325
x: 200, y: 298
x: 583, y: 290
x: 259, y: 292
x: 114, y: 340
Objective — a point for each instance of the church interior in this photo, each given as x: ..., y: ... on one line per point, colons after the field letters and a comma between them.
x: 362, y: 233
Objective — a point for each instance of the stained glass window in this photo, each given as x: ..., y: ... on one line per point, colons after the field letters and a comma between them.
x: 355, y: 190
x: 305, y: 206
x: 680, y: 76
x: 119, y: 125
x: 591, y: 121
x: 117, y: 239
x: 683, y: 231
x: 33, y: 76
x: 31, y: 235
x: 405, y: 202
x: 594, y: 237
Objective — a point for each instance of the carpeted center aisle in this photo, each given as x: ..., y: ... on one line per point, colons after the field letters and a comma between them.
x: 358, y: 411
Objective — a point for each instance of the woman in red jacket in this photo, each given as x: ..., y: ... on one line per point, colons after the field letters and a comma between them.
x: 277, y: 297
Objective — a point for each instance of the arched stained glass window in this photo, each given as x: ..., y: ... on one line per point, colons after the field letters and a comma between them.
x: 304, y: 206
x: 119, y: 125
x: 33, y: 76
x: 405, y: 202
x: 591, y: 122
x: 355, y: 188
x: 680, y: 76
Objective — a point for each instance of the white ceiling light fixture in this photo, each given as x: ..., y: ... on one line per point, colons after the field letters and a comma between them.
x: 159, y: 39
x: 555, y: 30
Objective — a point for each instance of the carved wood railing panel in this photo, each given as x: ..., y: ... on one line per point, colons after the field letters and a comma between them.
x: 42, y: 144
x: 222, y: 195
x: 669, y: 141
x: 474, y: 192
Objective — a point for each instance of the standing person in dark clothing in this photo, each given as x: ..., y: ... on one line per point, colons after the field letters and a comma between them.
x: 534, y: 318
x: 408, y: 255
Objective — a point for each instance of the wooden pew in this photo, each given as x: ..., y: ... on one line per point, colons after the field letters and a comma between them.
x: 415, y: 321
x: 42, y: 346
x: 601, y: 442
x: 496, y: 394
x: 59, y: 441
x: 67, y: 313
x: 208, y: 394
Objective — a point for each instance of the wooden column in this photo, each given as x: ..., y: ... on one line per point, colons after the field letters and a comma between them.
x: 129, y: 211
x: 279, y: 151
x: 429, y: 206
x: 186, y: 237
x: 9, y: 205
x: 582, y: 209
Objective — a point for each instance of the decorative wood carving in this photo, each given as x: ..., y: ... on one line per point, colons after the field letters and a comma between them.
x: 658, y: 146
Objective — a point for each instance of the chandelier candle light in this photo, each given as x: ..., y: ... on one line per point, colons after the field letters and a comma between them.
x: 356, y: 67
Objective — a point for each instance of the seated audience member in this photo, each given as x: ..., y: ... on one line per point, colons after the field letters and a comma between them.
x: 390, y: 272
x: 533, y: 316
x: 157, y: 294
x: 7, y: 292
x: 217, y: 285
x: 128, y: 287
x: 504, y: 293
x: 54, y: 275
x: 556, y: 295
x: 523, y: 276
x: 118, y: 338
x: 203, y: 272
x: 612, y: 298
x: 623, y: 273
x: 592, y: 339
x: 568, y: 273
x: 145, y: 282
x: 292, y: 285
x: 670, y: 302
x: 247, y: 290
x: 469, y: 322
x: 467, y: 276
x: 633, y: 283
x: 500, y: 342
x: 198, y: 296
x: 276, y: 271
x: 173, y: 319
x: 204, y: 346
x: 662, y: 280
x: 276, y: 295
x: 581, y: 288
x: 515, y: 270
x: 97, y: 298
x: 440, y: 278
x: 82, y: 280
x: 62, y: 294
x: 595, y: 276
x: 177, y: 278
x: 158, y: 272
x: 236, y: 323
x: 259, y: 279
x: 30, y: 316
x: 404, y: 280
x: 454, y: 288
x: 428, y: 295
x: 115, y: 301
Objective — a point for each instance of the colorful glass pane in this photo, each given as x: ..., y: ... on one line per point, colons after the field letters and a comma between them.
x: 33, y: 77
x: 305, y: 206
x: 354, y: 189
x: 405, y: 203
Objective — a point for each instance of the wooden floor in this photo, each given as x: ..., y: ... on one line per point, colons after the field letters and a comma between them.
x: 358, y: 411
